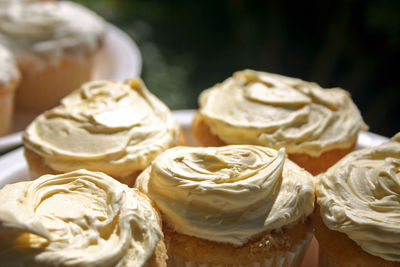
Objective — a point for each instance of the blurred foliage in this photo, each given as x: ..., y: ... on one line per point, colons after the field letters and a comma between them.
x: 188, y: 46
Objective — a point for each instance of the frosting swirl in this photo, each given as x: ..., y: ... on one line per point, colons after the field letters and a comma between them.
x: 9, y: 71
x: 46, y: 30
x: 228, y: 194
x: 266, y: 109
x: 360, y: 196
x: 80, y: 218
x: 117, y: 128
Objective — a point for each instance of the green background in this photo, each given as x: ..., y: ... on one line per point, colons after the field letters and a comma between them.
x: 188, y: 46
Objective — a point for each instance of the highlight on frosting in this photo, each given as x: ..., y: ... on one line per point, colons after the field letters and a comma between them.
x: 113, y: 127
x: 260, y: 108
x: 80, y: 218
x: 360, y: 196
x: 9, y: 71
x: 228, y: 194
x: 45, y: 30
x: 396, y: 137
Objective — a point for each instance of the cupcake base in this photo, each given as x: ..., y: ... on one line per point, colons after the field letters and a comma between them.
x: 286, y: 248
x: 159, y: 258
x: 203, y: 134
x: 7, y: 93
x: 336, y: 249
x: 325, y: 261
x: 42, y: 90
x: 314, y: 165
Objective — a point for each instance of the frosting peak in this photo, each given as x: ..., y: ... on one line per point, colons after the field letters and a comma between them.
x: 360, y: 196
x: 271, y: 110
x: 228, y: 194
x: 396, y: 137
x: 108, y: 126
x: 80, y: 218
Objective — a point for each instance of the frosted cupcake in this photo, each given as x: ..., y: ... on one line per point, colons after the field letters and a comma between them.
x: 231, y: 205
x: 9, y: 79
x: 357, y: 222
x: 79, y: 218
x: 316, y: 126
x: 113, y: 127
x: 54, y: 44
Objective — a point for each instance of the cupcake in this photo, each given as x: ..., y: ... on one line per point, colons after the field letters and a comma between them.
x: 238, y: 205
x: 108, y: 126
x: 80, y: 218
x: 9, y: 79
x: 55, y: 44
x: 357, y: 221
x: 316, y: 126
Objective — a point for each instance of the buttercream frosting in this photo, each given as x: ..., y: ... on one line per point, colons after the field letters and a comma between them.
x: 260, y: 108
x: 360, y: 196
x: 113, y: 127
x: 396, y: 137
x: 80, y: 218
x: 228, y: 194
x: 9, y: 71
x: 42, y: 32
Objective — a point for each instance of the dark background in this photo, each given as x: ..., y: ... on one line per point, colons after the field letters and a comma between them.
x: 188, y: 46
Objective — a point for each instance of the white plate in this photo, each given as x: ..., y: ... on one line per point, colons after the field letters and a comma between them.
x: 119, y: 59
x: 13, y: 167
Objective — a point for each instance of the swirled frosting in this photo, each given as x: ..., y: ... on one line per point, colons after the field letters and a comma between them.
x: 8, y: 68
x: 228, y: 194
x: 266, y: 109
x: 117, y: 128
x: 360, y: 196
x: 80, y: 218
x: 42, y: 32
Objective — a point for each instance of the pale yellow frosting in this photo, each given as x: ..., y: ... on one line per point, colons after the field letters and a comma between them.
x: 266, y: 109
x: 8, y: 68
x: 43, y: 32
x: 113, y: 127
x: 228, y: 194
x: 360, y: 196
x: 80, y: 218
x: 396, y: 137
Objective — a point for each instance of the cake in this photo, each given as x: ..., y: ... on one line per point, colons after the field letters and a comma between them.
x: 316, y: 126
x: 108, y: 126
x: 357, y: 219
x: 54, y: 43
x: 9, y: 79
x: 80, y: 218
x: 238, y: 205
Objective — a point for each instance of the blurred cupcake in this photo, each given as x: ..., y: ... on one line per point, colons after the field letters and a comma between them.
x: 316, y: 126
x: 357, y: 222
x: 79, y: 218
x: 231, y: 206
x: 6, y: 3
x: 54, y: 44
x: 9, y: 79
x: 113, y: 127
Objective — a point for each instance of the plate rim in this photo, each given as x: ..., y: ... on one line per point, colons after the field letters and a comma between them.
x: 127, y: 51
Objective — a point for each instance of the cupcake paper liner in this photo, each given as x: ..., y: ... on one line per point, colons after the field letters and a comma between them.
x: 325, y: 261
x: 290, y: 258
